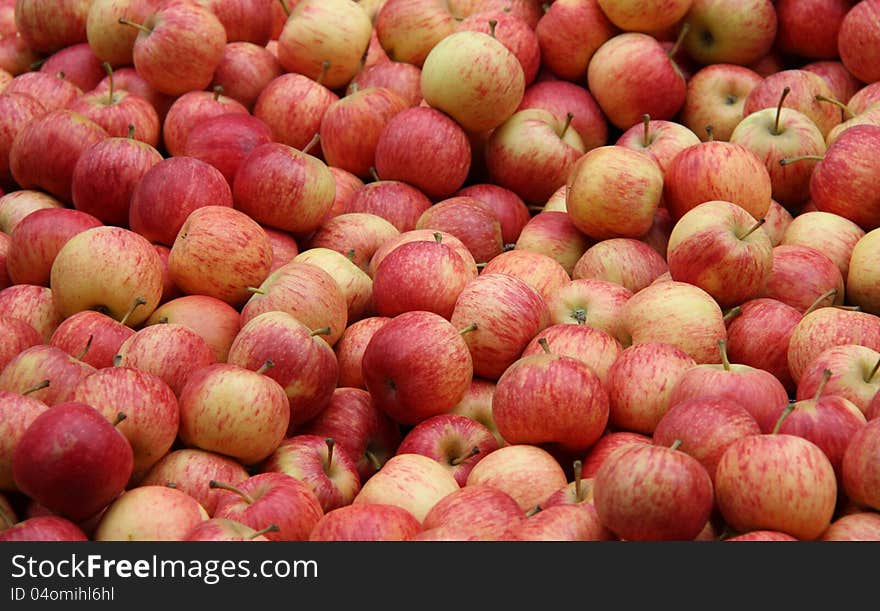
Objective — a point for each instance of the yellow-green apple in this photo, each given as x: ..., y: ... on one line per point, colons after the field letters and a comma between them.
x: 420, y: 146
x: 553, y: 233
x: 532, y: 153
x: 306, y: 292
x: 857, y: 41
x: 511, y: 210
x: 16, y: 109
x: 45, y: 151
x: 32, y: 304
x: 480, y: 509
x: 17, y: 412
x: 214, y: 319
x: 660, y: 140
x: 831, y: 234
x: 823, y: 327
x: 653, y: 493
x: 329, y: 471
x: 366, y: 522
x: 303, y: 364
x: 355, y: 234
x: 630, y: 75
x: 640, y: 382
x: 44, y: 528
x: 607, y: 444
x: 677, y: 313
x: 408, y: 29
x: 706, y: 426
x: 492, y: 302
x: 535, y: 401
x: 170, y: 351
x: 841, y: 81
x: 72, y: 460
x: 758, y: 333
x: 169, y: 191
x: 352, y: 420
x: 415, y: 355
x: 641, y: 17
x: 454, y: 441
x: 220, y: 252
x: 542, y: 272
x: 411, y: 481
x: 721, y: 248
x: 860, y: 288
x: 49, y: 26
x: 191, y: 471
x: 776, y: 482
x: 17, y: 204
x: 715, y: 96
x: 596, y: 348
x: 129, y: 79
x: 809, y: 29
x: 474, y: 223
x: 150, y: 513
x: 779, y: 133
x: 397, y: 202
x: 563, y: 98
x: 367, y: 112
x: 110, y: 40
x: 474, y: 78
x: 337, y: 32
x: 730, y: 31
x: 704, y: 172
x: 512, y: 30
x: 36, y: 240
x: 223, y: 529
x: 149, y: 404
x: 802, y: 274
x: 860, y: 473
x: 178, y: 47
x: 613, y: 192
x: 402, y: 78
x: 853, y: 375
x: 569, y: 33
x: 244, y: 20
x: 244, y: 71
x: 807, y: 91
x: 628, y: 262
x: 15, y: 336
x: 293, y: 105
x: 190, y: 108
x: 224, y: 141
x: 355, y: 284
x: 350, y: 350
x: 477, y: 405
x: 53, y: 91
x: 526, y: 472
x: 597, y: 303
x: 859, y: 526
x: 106, y: 175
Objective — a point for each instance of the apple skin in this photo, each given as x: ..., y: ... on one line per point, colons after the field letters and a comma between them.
x: 841, y: 81
x: 563, y: 97
x: 607, y: 444
x: 477, y: 509
x: 44, y: 528
x: 247, y: 20
x: 552, y: 233
x: 214, y: 319
x: 16, y: 205
x: 33, y: 305
x: 730, y: 31
x: 653, y: 493
x: 190, y: 108
x: 392, y: 242
x: 16, y: 109
x: 511, y: 210
x: 110, y: 40
x: 401, y: 77
x: 396, y: 202
x: 366, y: 522
x: 87, y: 475
x: 293, y: 105
x: 350, y: 350
x: 129, y: 79
x: 597, y: 303
x: 244, y: 71
x: 540, y: 271
x: 150, y: 513
x: 304, y: 365
x: 715, y: 96
x: 658, y: 139
x: 860, y: 475
x: 468, y: 219
x: 560, y: 523
x: 526, y: 472
x: 408, y: 29
x: 721, y: 248
x: 222, y: 529
x: 762, y: 535
x: 226, y: 140
x: 355, y: 234
x: 862, y: 269
x: 53, y: 91
x: 834, y: 236
x: 860, y: 526
x: 799, y: 31
x: 804, y: 87
x: 628, y: 262
x: 856, y: 41
x: 776, y: 482
x: 120, y: 113
x: 17, y: 412
x: 329, y: 471
x: 15, y: 336
x: 149, y: 404
x: 35, y: 365
x: 801, y: 275
x: 596, y: 348
x: 512, y: 31
x: 355, y: 284
x: 49, y: 26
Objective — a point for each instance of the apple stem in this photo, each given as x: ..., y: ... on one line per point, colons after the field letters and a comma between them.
x: 849, y: 114
x: 535, y: 208
x: 257, y: 290
x: 35, y: 387
x: 710, y: 130
x: 218, y: 91
x: 117, y: 360
x: 350, y: 254
x: 163, y: 320
x: 873, y: 372
x: 330, y: 443
x: 131, y: 131
x: 272, y: 528
x: 438, y: 237
x: 460, y: 459
x: 545, y: 6
x: 269, y: 364
x: 35, y: 66
x: 109, y: 70
x: 578, y: 476
x: 785, y: 93
x: 374, y: 173
x: 325, y: 67
x: 722, y: 347
x: 646, y: 136
x: 284, y: 7
x: 492, y: 24
x: 826, y: 375
x: 85, y: 349
x: 829, y: 293
x: 373, y: 459
x: 685, y: 27
x: 788, y: 409
x: 139, y: 26
x: 481, y: 265
x: 170, y: 485
x: 139, y: 301
x: 543, y: 343
x: 312, y: 143
x: 509, y: 246
x: 247, y: 498
x: 568, y: 118
x: 790, y: 160
x: 120, y: 416
x: 321, y: 331
x: 580, y: 315
x: 468, y: 329
x: 675, y: 445
x: 753, y: 228
x: 732, y: 313
x: 534, y: 510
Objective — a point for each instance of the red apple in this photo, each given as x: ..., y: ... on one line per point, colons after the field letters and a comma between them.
x: 18, y: 411
x: 553, y: 233
x: 244, y: 71
x: 860, y: 526
x: 809, y: 29
x: 16, y: 109
x: 224, y: 141
x: 293, y: 105
x: 832, y: 235
x: 526, y: 472
x: 607, y: 444
x: 350, y: 350
x: 627, y: 262
x: 403, y: 78
x: 16, y: 205
x: 397, y: 202
x: 191, y: 108
x: 569, y: 33
x: 49, y: 26
x: 658, y: 139
x: 33, y: 305
x: 15, y: 336
x: 44, y: 528
x: 366, y: 522
x: 483, y: 510
x: 715, y: 96
x: 856, y: 41
x: 222, y: 529
x: 408, y: 29
x: 730, y: 31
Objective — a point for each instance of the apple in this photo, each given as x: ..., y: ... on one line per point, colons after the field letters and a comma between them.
x: 422, y: 235
x: 715, y: 96
x: 762, y: 535
x: 244, y: 20
x: 800, y: 275
x: 554, y: 234
x: 244, y: 71
x: 471, y: 221
x: 214, y: 319
x: 45, y: 372
x: 596, y: 348
x: 16, y: 57
x: 569, y: 33
x: 730, y: 31
x: 222, y: 529
x: 33, y: 305
x: 403, y: 78
x: 350, y: 350
x: 354, y: 234
x: 347, y: 184
x: 511, y: 210
x: 178, y: 47
x: 16, y: 109
x: 15, y: 336
x: 859, y: 288
x: 366, y: 522
x: 479, y: 509
x: 408, y: 29
x: 526, y: 472
x: 597, y: 303
x: 860, y: 526
x: 150, y: 513
x: 397, y: 202
x: 225, y: 141
x: 129, y: 79
x: 859, y: 466
x: 49, y: 26
x: 776, y: 482
x: 628, y: 262
x: 355, y: 284
x: 660, y: 140
x: 856, y: 41
x: 512, y: 30
x: 833, y: 235
x: 83, y: 474
x: 18, y: 412
x: 44, y: 528
x: 602, y: 449
x: 841, y: 81
x: 809, y: 29
x: 863, y: 99
x: 16, y: 205
x: 110, y: 40
x: 293, y: 105
x: 190, y: 108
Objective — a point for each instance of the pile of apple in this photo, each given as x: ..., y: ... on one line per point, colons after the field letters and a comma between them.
x: 439, y: 270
